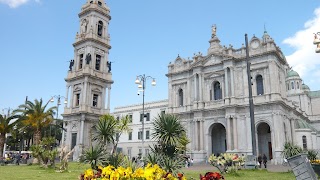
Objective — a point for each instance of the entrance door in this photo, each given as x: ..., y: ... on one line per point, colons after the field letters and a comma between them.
x: 264, y: 140
x: 218, y: 139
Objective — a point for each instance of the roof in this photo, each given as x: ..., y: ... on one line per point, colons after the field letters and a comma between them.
x: 301, y: 124
x: 314, y: 94
x: 292, y: 73
x: 304, y: 86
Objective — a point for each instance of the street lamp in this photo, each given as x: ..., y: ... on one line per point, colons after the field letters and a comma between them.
x: 316, y: 41
x: 141, y: 81
x: 58, y: 97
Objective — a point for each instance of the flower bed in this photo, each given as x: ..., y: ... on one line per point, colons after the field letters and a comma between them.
x: 150, y: 172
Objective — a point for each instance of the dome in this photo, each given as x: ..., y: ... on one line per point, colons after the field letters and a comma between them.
x: 292, y: 73
x: 305, y: 87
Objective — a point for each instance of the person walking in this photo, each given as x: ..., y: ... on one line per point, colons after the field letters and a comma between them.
x: 265, y: 159
x: 260, y: 160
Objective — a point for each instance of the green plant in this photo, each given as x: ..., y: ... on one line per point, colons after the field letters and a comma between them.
x: 312, y: 155
x: 290, y: 150
x: 94, y: 156
x: 114, y: 159
x: 127, y: 162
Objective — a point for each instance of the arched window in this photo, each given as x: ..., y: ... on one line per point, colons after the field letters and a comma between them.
x: 304, y: 143
x: 100, y: 26
x: 297, y: 85
x: 180, y: 97
x: 259, y: 82
x: 292, y: 85
x: 217, y: 91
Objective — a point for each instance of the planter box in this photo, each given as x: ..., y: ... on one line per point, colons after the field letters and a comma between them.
x: 301, y: 167
x: 316, y: 169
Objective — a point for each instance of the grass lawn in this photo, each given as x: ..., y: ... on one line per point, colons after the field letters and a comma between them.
x: 24, y: 172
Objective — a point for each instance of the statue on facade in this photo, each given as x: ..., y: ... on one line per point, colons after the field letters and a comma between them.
x: 214, y: 31
x: 84, y: 26
x: 109, y: 66
x: 88, y: 58
x: 71, y: 64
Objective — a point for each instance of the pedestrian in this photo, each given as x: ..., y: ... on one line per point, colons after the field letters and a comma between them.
x: 18, y: 157
x: 259, y: 160
x: 265, y: 159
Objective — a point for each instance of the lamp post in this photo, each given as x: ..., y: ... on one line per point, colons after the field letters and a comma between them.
x: 251, y: 107
x: 141, y: 81
x: 58, y: 97
x: 316, y: 41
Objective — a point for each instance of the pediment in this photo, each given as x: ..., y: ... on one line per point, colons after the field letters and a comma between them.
x: 77, y: 89
x: 96, y: 89
x: 212, y: 75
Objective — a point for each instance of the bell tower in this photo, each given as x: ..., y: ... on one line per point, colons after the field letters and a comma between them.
x: 89, y: 77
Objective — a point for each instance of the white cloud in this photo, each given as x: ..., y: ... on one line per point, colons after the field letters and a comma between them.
x: 304, y: 59
x: 16, y: 3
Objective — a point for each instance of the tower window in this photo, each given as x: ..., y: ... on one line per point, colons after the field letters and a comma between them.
x: 95, y: 100
x: 259, y: 81
x: 130, y: 118
x: 217, y: 91
x: 99, y: 3
x: 292, y: 85
x: 78, y: 99
x: 91, y: 2
x: 100, y: 26
x: 180, y: 97
x: 297, y: 85
x: 98, y: 61
x: 80, y: 61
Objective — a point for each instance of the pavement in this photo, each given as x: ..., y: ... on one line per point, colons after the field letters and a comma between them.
x: 208, y: 167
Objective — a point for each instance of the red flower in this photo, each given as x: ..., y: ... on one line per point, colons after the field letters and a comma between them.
x: 211, y: 176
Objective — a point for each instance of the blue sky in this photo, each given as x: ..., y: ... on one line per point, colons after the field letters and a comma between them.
x: 37, y: 36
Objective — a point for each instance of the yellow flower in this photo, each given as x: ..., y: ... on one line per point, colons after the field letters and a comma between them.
x: 88, y: 174
x: 139, y: 173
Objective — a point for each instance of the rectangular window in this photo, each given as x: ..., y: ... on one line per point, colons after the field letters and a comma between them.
x: 117, y: 136
x: 147, y: 117
x: 78, y: 99
x: 130, y: 136
x: 95, y: 100
x: 304, y: 143
x: 73, y: 140
x: 140, y: 151
x: 98, y: 62
x: 130, y: 118
x: 129, y: 152
x: 139, y: 135
x: 147, y: 134
x: 80, y: 61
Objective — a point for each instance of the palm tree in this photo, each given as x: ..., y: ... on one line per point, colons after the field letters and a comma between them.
x: 168, y: 130
x: 7, y: 124
x: 109, y: 129
x: 121, y: 127
x: 36, y: 116
x: 105, y: 129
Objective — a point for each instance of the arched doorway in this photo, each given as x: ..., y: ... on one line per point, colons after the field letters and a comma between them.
x: 264, y: 140
x: 218, y: 139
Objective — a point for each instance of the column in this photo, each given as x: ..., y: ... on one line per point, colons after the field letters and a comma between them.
x: 228, y: 134
x: 196, y: 133
x: 84, y: 91
x: 235, y: 133
x: 81, y: 129
x: 201, y: 87
x: 292, y: 130
x: 109, y: 91
x: 201, y: 135
x: 226, y: 82
x: 195, y: 88
x: 232, y: 81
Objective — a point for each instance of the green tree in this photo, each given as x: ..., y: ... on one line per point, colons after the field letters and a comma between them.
x: 105, y: 129
x: 7, y: 123
x: 37, y: 116
x: 169, y: 133
x: 109, y: 129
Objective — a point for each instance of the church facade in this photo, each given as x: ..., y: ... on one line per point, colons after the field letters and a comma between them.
x: 210, y: 95
x: 89, y: 78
